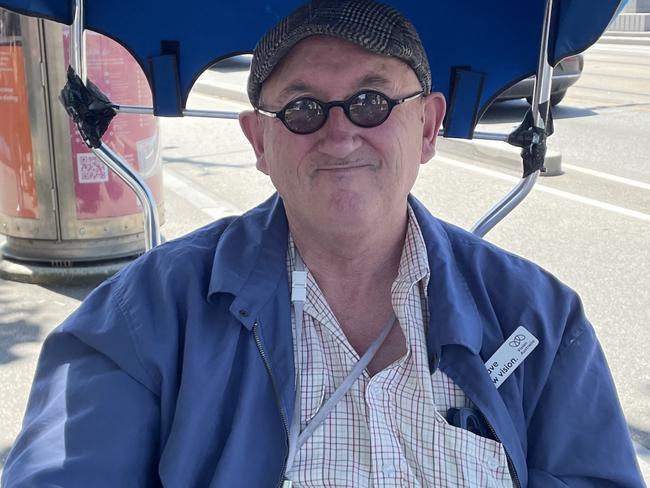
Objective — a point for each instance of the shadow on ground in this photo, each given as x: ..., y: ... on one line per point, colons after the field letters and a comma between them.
x: 4, y: 452
x: 640, y: 436
x: 640, y: 428
x: 76, y: 292
x: 15, y: 324
x: 25, y: 320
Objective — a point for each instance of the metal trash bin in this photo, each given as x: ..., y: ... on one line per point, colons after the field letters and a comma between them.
x: 60, y: 206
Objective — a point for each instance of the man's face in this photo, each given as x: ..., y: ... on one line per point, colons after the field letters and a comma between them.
x: 343, y: 176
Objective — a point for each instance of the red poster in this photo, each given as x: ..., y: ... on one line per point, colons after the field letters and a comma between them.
x: 18, y: 196
x: 99, y: 192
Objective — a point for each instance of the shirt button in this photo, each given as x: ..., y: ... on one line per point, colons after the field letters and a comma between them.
x: 388, y: 470
x: 376, y: 390
x: 492, y: 463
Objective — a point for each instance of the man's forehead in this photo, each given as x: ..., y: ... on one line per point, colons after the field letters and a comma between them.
x: 318, y: 57
x: 324, y: 47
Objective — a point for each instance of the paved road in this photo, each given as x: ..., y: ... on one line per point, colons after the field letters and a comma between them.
x: 604, y: 121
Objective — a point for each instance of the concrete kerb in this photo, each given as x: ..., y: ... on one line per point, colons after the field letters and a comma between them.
x: 630, y: 34
x: 625, y: 40
x: 628, y: 38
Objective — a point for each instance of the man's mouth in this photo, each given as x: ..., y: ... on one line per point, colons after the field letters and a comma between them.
x: 344, y: 167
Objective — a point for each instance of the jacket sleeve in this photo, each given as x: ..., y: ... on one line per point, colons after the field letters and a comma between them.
x: 578, y: 436
x: 93, y: 415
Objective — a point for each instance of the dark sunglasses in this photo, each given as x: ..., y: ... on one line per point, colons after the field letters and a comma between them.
x: 368, y: 108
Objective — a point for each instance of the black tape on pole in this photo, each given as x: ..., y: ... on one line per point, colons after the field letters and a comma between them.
x: 532, y: 140
x: 89, y: 108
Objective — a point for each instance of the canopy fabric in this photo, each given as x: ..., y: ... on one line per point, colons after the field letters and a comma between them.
x: 498, y: 40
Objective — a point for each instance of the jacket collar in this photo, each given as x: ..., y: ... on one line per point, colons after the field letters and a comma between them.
x: 454, y: 317
x: 250, y: 259
x: 250, y: 262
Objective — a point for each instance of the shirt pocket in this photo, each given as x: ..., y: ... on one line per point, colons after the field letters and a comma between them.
x: 466, y: 459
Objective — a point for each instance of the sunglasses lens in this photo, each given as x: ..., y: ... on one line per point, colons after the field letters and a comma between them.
x: 304, y: 116
x: 369, y: 109
x: 365, y: 109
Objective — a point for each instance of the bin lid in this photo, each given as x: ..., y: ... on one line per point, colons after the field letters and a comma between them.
x: 497, y: 40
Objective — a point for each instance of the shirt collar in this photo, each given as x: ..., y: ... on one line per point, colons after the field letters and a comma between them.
x: 249, y: 260
x: 414, y: 263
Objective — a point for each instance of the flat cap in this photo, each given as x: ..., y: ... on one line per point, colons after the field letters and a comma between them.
x: 372, y: 25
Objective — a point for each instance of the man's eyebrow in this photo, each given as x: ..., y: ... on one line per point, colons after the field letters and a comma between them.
x: 367, y: 81
x: 374, y: 81
x: 293, y: 88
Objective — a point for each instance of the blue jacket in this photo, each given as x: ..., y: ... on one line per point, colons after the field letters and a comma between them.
x: 178, y: 371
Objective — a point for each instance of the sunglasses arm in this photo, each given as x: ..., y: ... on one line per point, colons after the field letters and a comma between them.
x: 268, y: 114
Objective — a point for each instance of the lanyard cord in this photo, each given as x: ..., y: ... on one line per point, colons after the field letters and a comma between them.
x: 298, y: 295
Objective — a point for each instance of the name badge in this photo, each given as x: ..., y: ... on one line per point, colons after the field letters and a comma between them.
x: 510, y: 355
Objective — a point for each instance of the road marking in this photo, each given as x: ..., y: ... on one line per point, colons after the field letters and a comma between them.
x: 215, y: 208
x: 607, y: 176
x: 545, y: 189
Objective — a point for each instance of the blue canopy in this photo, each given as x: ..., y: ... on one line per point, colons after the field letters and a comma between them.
x: 476, y: 48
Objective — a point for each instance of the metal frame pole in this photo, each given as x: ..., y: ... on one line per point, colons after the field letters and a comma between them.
x: 105, y: 153
x: 214, y: 114
x: 540, y: 111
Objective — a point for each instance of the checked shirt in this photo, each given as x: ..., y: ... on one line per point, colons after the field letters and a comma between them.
x: 389, y: 429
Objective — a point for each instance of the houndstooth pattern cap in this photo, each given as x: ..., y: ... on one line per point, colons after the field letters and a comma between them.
x: 372, y: 25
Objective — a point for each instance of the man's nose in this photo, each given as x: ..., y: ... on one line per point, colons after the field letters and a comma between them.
x: 339, y: 137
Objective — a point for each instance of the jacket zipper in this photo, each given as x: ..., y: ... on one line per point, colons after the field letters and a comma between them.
x: 511, y: 465
x: 283, y: 415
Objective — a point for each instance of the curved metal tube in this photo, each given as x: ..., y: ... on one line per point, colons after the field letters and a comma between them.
x: 505, y: 206
x: 540, y: 110
x: 142, y: 191
x: 489, y: 136
x: 214, y: 114
x: 542, y: 93
x: 78, y: 42
x: 105, y: 153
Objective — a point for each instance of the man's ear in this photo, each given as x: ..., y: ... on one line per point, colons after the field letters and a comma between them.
x: 253, y: 129
x: 434, y: 107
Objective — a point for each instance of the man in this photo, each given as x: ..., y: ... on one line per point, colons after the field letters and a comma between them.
x: 338, y: 334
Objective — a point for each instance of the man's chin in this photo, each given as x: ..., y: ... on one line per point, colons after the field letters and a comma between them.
x: 346, y: 216
x: 349, y: 204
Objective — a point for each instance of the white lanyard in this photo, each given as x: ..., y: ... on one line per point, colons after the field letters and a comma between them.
x: 297, y: 438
